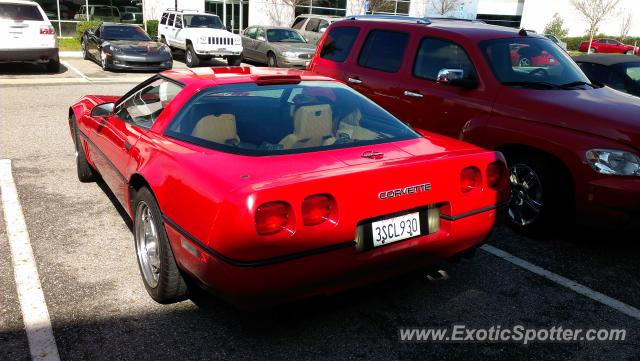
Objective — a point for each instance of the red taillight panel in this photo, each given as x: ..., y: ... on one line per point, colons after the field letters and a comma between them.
x: 47, y: 30
x: 496, y: 175
x: 317, y: 209
x: 272, y: 218
x: 470, y: 179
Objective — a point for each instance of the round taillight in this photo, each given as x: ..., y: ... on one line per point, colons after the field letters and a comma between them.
x: 272, y: 218
x: 470, y: 179
x: 496, y: 175
x: 316, y: 209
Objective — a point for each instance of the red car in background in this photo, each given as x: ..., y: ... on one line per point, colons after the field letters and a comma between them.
x: 265, y: 184
x: 608, y: 46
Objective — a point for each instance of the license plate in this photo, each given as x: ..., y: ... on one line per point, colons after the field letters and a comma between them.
x: 395, y: 229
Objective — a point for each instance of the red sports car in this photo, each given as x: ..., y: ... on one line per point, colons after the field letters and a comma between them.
x: 266, y: 185
x: 608, y: 46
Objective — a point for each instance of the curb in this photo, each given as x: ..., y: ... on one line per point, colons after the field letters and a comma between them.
x: 70, y: 54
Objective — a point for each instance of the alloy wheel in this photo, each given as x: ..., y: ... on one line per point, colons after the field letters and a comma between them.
x: 526, y: 200
x: 147, y: 244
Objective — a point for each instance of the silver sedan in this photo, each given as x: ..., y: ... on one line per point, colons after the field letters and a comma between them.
x: 276, y: 47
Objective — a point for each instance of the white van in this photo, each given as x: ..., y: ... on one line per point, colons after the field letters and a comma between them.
x: 30, y: 37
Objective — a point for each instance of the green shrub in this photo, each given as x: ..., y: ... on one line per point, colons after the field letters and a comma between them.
x: 152, y: 28
x: 84, y: 25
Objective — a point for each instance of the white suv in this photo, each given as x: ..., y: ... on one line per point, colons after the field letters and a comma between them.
x: 27, y: 35
x: 202, y: 36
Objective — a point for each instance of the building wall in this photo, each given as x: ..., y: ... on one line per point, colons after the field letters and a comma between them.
x: 153, y: 8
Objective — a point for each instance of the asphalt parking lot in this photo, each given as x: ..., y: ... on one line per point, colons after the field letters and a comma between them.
x: 99, y: 310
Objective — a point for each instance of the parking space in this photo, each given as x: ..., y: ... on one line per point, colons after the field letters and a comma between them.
x: 83, y: 247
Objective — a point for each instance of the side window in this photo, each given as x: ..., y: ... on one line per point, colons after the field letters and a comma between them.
x: 338, y: 43
x: 171, y: 18
x: 260, y: 34
x: 143, y: 107
x: 312, y: 25
x: 323, y: 26
x: 163, y: 20
x: 250, y: 33
x: 435, y: 55
x: 383, y: 50
x: 178, y: 21
x: 297, y: 24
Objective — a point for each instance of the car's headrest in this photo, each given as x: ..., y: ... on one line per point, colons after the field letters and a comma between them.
x: 219, y: 129
x: 312, y: 121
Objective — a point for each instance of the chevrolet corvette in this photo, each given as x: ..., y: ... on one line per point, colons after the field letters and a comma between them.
x: 265, y: 185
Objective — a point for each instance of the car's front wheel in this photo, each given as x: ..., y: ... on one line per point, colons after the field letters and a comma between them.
x: 272, y: 62
x: 592, y: 51
x: 86, y: 173
x: 162, y: 278
x: 629, y: 52
x: 539, y: 194
x: 191, y: 58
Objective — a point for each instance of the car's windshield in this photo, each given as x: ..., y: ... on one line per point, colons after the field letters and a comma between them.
x: 203, y: 21
x: 284, y: 36
x: 632, y: 70
x: 124, y: 33
x: 527, y: 61
x: 19, y: 12
x: 285, y: 118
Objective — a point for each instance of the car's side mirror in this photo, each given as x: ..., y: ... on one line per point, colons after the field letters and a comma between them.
x: 102, y: 110
x: 456, y: 77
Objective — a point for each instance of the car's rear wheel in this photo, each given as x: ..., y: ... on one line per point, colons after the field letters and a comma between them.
x: 86, y: 173
x: 629, y: 52
x: 191, y: 58
x: 539, y: 195
x: 234, y: 60
x: 272, y: 61
x: 53, y: 66
x: 162, y: 278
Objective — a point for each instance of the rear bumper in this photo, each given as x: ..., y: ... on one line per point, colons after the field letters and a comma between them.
x: 327, y: 271
x: 29, y: 55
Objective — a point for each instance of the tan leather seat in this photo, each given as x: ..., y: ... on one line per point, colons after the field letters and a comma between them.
x: 350, y: 125
x: 219, y: 129
x: 312, y: 127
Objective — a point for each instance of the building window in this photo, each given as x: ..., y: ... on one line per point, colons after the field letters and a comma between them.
x: 392, y: 7
x: 322, y: 7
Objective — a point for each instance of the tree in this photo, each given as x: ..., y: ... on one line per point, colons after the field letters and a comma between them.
x: 555, y: 27
x: 625, y: 26
x: 281, y: 12
x: 444, y: 7
x: 594, y: 12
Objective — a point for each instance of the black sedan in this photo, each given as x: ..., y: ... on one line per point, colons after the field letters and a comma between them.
x: 125, y: 46
x: 618, y: 71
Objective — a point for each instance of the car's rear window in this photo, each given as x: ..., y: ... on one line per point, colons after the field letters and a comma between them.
x: 282, y: 119
x: 20, y: 12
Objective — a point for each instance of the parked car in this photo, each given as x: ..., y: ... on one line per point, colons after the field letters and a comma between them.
x: 104, y: 13
x: 311, y: 189
x: 201, y: 36
x: 28, y: 35
x: 573, y: 147
x: 313, y: 26
x: 132, y: 18
x: 616, y: 71
x: 276, y: 47
x: 608, y: 46
x: 556, y: 40
x: 123, y: 46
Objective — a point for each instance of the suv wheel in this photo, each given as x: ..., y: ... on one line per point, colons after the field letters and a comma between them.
x: 191, y: 58
x: 539, y: 196
x: 53, y: 66
x: 272, y: 62
x: 234, y: 60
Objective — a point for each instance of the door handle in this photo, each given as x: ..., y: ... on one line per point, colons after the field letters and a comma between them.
x: 354, y: 81
x: 412, y: 94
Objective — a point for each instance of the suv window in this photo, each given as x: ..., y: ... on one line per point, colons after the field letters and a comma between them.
x: 143, y: 107
x: 20, y: 12
x: 435, y: 55
x: 178, y: 21
x: 312, y: 25
x: 171, y: 18
x: 250, y: 33
x: 383, y: 50
x: 164, y: 18
x: 338, y: 43
x: 297, y: 24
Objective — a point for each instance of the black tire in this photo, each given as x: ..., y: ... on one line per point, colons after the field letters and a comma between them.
x: 592, y: 51
x: 85, y: 52
x: 53, y: 66
x: 629, y: 52
x: 234, y: 60
x: 170, y: 285
x: 190, y: 57
x: 272, y: 62
x: 86, y: 173
x: 552, y: 196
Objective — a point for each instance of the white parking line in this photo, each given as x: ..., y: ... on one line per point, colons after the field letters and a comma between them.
x: 37, y: 323
x: 565, y: 282
x: 75, y: 70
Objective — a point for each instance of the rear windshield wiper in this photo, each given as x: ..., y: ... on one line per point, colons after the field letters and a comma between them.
x: 534, y: 84
x: 574, y: 84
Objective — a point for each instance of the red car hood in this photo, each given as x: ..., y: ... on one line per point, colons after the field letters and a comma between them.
x: 602, y: 112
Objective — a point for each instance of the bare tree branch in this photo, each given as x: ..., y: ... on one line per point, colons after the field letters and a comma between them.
x: 594, y: 12
x: 625, y: 26
x: 444, y: 7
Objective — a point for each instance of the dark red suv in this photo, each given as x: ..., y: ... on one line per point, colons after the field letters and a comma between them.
x: 573, y: 146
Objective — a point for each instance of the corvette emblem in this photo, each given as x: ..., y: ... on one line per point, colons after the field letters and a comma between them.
x: 372, y: 155
x: 393, y: 193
